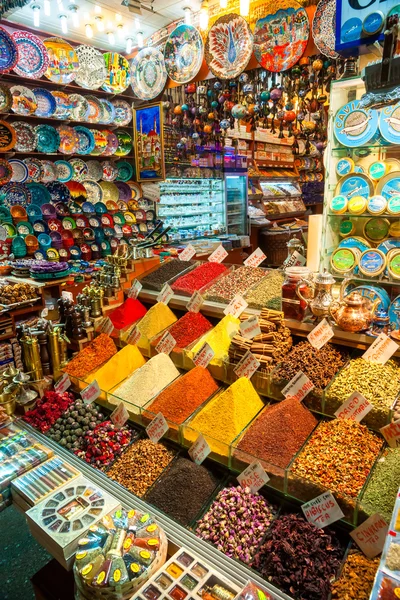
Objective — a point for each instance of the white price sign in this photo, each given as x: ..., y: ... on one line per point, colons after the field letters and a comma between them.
x: 67, y: 295
x: 295, y: 260
x: 355, y: 408
x: 166, y: 344
x: 120, y: 415
x: 134, y: 336
x: 250, y: 328
x: 165, y: 295
x: 195, y: 302
x: 62, y: 384
x: 135, y: 288
x: 199, y: 451
x: 253, y: 477
x: 91, y: 392
x: 298, y: 387
x: 322, y: 511
x: 391, y: 433
x: 157, y: 428
x: 255, y: 259
x: 247, y: 366
x: 187, y: 253
x: 381, y: 350
x: 106, y: 326
x: 371, y: 535
x: 203, y: 357
x: 218, y: 255
x: 236, y: 306
x: 320, y: 335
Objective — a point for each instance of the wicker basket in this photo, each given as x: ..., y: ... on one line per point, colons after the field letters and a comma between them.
x: 273, y: 242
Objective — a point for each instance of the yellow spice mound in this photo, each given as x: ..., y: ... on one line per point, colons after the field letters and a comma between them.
x: 158, y: 318
x: 118, y: 368
x: 219, y: 339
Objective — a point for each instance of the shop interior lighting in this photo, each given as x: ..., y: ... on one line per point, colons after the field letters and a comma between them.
x: 97, y: 9
x: 36, y: 15
x: 129, y: 45
x: 203, y: 19
x: 118, y: 18
x: 99, y: 23
x: 244, y: 8
x: 188, y: 15
x: 223, y: 3
x: 111, y: 38
x: 64, y: 23
x: 61, y: 8
x: 47, y: 8
x: 75, y: 15
x: 137, y: 24
x: 120, y: 31
x: 89, y: 31
x: 140, y: 39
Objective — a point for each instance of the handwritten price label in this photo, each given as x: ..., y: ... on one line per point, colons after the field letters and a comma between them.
x: 391, y: 433
x: 236, y: 306
x: 166, y: 344
x: 134, y: 336
x: 199, y: 451
x: 253, y: 477
x: 320, y: 335
x: 255, y: 259
x: 120, y: 415
x: 250, y: 328
x: 62, y: 384
x: 135, y: 288
x: 218, y: 255
x: 187, y: 252
x: 381, y: 350
x: 371, y: 535
x: 165, y: 295
x: 106, y: 326
x: 67, y: 295
x: 298, y: 387
x: 203, y: 357
x: 322, y: 511
x: 247, y: 366
x: 90, y: 393
x: 195, y: 302
x: 295, y: 260
x: 157, y: 428
x: 355, y: 408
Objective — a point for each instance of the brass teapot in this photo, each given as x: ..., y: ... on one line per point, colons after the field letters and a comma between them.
x: 354, y: 312
x: 321, y: 297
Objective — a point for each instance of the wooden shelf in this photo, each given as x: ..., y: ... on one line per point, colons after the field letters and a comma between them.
x: 53, y: 120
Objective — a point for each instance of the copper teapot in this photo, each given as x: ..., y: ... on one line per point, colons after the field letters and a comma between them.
x: 352, y: 312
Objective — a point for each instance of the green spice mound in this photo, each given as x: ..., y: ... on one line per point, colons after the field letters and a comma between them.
x: 380, y: 494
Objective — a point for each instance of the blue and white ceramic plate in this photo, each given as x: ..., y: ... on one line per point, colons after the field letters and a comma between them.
x: 183, y: 53
x: 58, y: 192
x: 16, y: 193
x: 86, y: 142
x: 46, y: 103
x: 33, y: 59
x: 148, y: 73
x: 108, y: 113
x: 19, y: 169
x: 92, y: 70
x: 123, y: 113
x: 8, y: 51
x: 65, y: 172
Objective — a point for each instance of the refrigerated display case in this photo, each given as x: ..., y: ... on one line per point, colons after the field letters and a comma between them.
x: 236, y: 203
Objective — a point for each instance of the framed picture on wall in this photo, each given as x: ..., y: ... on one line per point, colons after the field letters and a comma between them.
x: 149, y: 142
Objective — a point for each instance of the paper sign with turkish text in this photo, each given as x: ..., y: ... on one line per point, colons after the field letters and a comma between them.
x: 322, y: 510
x: 62, y: 384
x: 166, y: 294
x: 295, y: 260
x: 370, y: 536
x: 204, y: 356
x: 253, y: 477
x: 120, y: 415
x: 67, y: 295
x: 236, y: 306
x: 134, y: 336
x: 391, y: 433
x: 107, y: 326
x: 135, y: 288
x: 166, y: 344
x: 199, y: 451
x: 250, y: 327
x: 218, y: 255
x: 157, y: 428
x: 320, y: 335
x: 381, y: 349
x: 91, y: 392
x: 195, y: 302
x: 187, y: 252
x: 355, y: 408
x: 247, y: 366
x: 255, y: 259
x: 298, y: 387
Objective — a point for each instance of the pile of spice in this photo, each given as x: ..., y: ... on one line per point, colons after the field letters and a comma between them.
x: 48, y: 409
x: 180, y: 399
x: 182, y: 490
x: 299, y: 558
x: 268, y: 293
x: 101, y: 349
x: 236, y: 282
x: 140, y: 465
x: 356, y: 579
x: 199, y: 277
x: 185, y: 331
x: 158, y: 318
x: 226, y: 415
x: 118, y: 368
x: 78, y: 420
x: 379, y: 384
x: 338, y: 456
x: 392, y: 560
x: 383, y: 485
x: 145, y: 383
x: 236, y: 522
x: 104, y: 444
x: 165, y: 272
x: 219, y: 339
x: 129, y: 312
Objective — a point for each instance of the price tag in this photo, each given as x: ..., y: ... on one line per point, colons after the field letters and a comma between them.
x: 391, y: 433
x: 199, y: 451
x: 120, y: 415
x: 253, y: 477
x: 250, y: 328
x: 67, y: 295
x: 247, y: 366
x: 322, y: 511
x: 320, y: 335
x: 203, y: 357
x: 134, y: 336
x: 91, y: 392
x: 157, y: 428
x: 218, y: 255
x: 298, y: 387
x: 44, y: 313
x: 166, y: 344
x: 255, y: 259
x: 187, y: 252
x: 135, y: 288
x: 236, y: 306
x: 371, y: 535
x: 355, y: 408
x: 165, y: 295
x: 106, y: 326
x: 195, y: 302
x: 381, y: 350
x: 295, y: 260
x: 62, y: 384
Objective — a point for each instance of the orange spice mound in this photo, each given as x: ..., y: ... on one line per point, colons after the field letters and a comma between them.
x: 92, y: 356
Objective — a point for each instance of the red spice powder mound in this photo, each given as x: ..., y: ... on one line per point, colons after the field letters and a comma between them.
x: 92, y: 356
x: 126, y: 314
x: 196, y: 279
x: 185, y: 331
x: 180, y: 399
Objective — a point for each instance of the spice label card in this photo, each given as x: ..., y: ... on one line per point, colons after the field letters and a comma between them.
x: 67, y: 295
x: 134, y: 290
x: 166, y: 344
x: 236, y: 306
x: 320, y: 335
x: 187, y: 253
x: 355, y: 408
x: 218, y: 255
x: 298, y: 387
x: 295, y: 260
x: 391, y: 433
x: 255, y: 259
x: 322, y: 510
x: 381, y: 350
x: 165, y: 295
x: 253, y: 477
x: 195, y: 302
x: 199, y: 451
x: 371, y: 535
x: 204, y: 356
x: 247, y: 366
x: 106, y: 326
x: 120, y: 415
x: 90, y: 393
x: 157, y: 428
x: 134, y: 336
x: 250, y: 328
x: 62, y: 384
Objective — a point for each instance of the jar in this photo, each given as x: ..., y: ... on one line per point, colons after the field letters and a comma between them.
x: 292, y: 306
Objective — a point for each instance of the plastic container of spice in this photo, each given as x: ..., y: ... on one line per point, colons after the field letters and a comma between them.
x: 376, y: 229
x: 372, y: 263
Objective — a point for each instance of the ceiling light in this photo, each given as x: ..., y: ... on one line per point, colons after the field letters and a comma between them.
x: 64, y: 23
x: 223, y: 3
x: 120, y: 31
x: 118, y: 18
x: 99, y: 23
x: 36, y: 15
x: 60, y: 5
x: 188, y: 15
x: 244, y: 8
x: 129, y: 45
x: 140, y: 42
x: 111, y: 38
x: 47, y: 7
x: 74, y: 14
x: 137, y: 24
x: 89, y: 31
x: 97, y: 9
x: 203, y: 19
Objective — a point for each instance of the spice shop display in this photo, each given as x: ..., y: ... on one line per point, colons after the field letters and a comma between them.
x: 166, y: 273
x: 356, y: 577
x: 118, y: 368
x: 157, y: 318
x: 198, y: 278
x: 219, y: 339
x: 237, y: 282
x: 101, y: 349
x: 104, y: 442
x: 48, y: 410
x: 267, y: 293
x: 128, y: 313
x: 379, y: 496
x: 17, y: 294
x: 185, y: 331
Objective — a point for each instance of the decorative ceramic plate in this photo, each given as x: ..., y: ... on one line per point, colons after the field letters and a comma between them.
x: 96, y: 110
x: 281, y: 37
x: 183, y: 53
x: 100, y: 140
x: 229, y: 46
x: 112, y: 143
x: 110, y: 170
x: 389, y: 185
x: 49, y: 171
x: 80, y: 169
x: 48, y: 139
x: 125, y: 192
x: 323, y: 28
x: 33, y: 59
x: 46, y: 103
x: 20, y: 171
x: 86, y: 143
x: 108, y: 114
x: 136, y: 190
x: 118, y: 73
x: 110, y: 191
x: 23, y: 100
x: 65, y: 171
x: 125, y: 171
x: 58, y: 192
x: 148, y: 74
x: 95, y: 171
x: 7, y: 136
x: 6, y: 171
x: 63, y: 60
x: 93, y: 189
x: 63, y: 110
x: 34, y: 166
x: 5, y: 99
x: 69, y: 139
x: 125, y: 143
x: 92, y: 71
x: 16, y: 194
x: 26, y: 137
x: 8, y: 51
x: 354, y: 126
x: 123, y: 113
x: 79, y: 107
x: 40, y: 193
x: 77, y: 191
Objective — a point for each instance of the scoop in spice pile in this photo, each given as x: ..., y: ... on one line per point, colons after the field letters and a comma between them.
x: 356, y: 578
x: 101, y: 349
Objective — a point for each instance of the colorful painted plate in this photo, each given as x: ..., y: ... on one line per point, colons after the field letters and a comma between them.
x: 125, y: 143
x: 63, y: 110
x: 63, y: 60
x: 8, y: 136
x: 80, y: 169
x: 136, y: 191
x: 79, y: 107
x: 229, y: 46
x: 46, y: 103
x: 123, y: 113
x: 40, y: 193
x: 58, y: 192
x: 65, y: 171
x: 323, y: 28
x: 49, y: 171
x: 95, y: 171
x: 118, y: 73
x: 93, y: 189
x: 23, y: 100
x: 112, y: 143
x: 108, y: 113
x: 34, y: 166
x: 20, y: 171
x: 6, y: 171
x: 33, y: 59
x: 69, y: 139
x: 389, y: 185
x: 92, y: 71
x: 86, y: 143
x: 281, y: 37
x: 78, y: 191
x: 5, y: 99
x: 26, y: 139
x: 183, y: 53
x: 110, y: 170
x: 48, y: 139
x: 8, y: 51
x: 16, y: 194
x: 125, y: 192
x: 96, y: 110
x: 148, y: 74
x: 125, y: 171
x: 110, y: 191
x: 355, y: 184
x: 100, y: 140
x: 354, y: 126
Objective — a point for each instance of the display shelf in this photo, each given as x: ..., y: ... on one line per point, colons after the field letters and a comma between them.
x: 186, y: 215
x: 365, y: 216
x: 52, y: 120
x: 11, y: 153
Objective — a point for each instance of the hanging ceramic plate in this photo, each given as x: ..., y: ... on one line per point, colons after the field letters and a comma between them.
x: 46, y: 103
x: 34, y: 166
x: 123, y: 113
x: 100, y: 141
x: 110, y: 191
x: 23, y: 100
x: 125, y: 192
x: 63, y: 61
x: 79, y: 107
x: 63, y: 109
x: 93, y: 189
x: 69, y: 139
x: 136, y: 190
x: 16, y: 194
x: 125, y: 171
x: 58, y: 192
x: 148, y: 74
x: 6, y: 171
x: 5, y: 99
x: 7, y: 136
x: 33, y: 59
x: 112, y: 143
x: 108, y: 114
x: 26, y: 137
x: 8, y: 51
x: 65, y: 171
x: 80, y: 169
x: 49, y: 171
x: 77, y: 191
x: 118, y: 74
x: 124, y: 143
x: 48, y: 139
x: 20, y: 171
x: 229, y: 46
x: 92, y: 71
x: 110, y: 170
x: 96, y: 110
x: 40, y: 193
x: 86, y: 143
x: 281, y: 37
x: 323, y: 28
x: 95, y: 172
x: 183, y: 53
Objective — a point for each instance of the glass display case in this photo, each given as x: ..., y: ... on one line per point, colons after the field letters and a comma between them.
x: 236, y: 203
